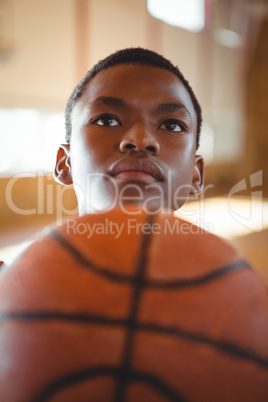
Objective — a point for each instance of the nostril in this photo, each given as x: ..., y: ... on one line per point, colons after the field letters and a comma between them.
x: 150, y: 148
x: 127, y: 145
x: 130, y: 146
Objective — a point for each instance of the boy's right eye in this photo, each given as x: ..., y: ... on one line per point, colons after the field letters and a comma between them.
x: 107, y: 120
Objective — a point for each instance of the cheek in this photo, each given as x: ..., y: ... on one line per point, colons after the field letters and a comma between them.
x: 181, y: 164
x: 93, y: 145
x: 181, y: 155
x: 82, y: 154
x: 80, y: 161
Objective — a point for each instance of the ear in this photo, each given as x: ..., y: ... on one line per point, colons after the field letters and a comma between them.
x: 198, y: 176
x: 62, y: 172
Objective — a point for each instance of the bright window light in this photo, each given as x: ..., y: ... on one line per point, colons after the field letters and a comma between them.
x: 29, y: 141
x: 206, y: 148
x: 228, y: 217
x: 228, y: 38
x: 187, y: 14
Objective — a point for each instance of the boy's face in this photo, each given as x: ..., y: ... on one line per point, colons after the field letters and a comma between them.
x: 133, y: 141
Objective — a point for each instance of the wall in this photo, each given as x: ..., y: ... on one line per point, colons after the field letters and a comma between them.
x: 43, y: 67
x: 38, y: 71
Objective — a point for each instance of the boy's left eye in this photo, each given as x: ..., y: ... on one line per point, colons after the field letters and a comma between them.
x: 107, y: 120
x: 172, y: 125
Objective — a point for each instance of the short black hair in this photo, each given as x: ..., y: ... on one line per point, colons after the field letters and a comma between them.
x: 130, y: 56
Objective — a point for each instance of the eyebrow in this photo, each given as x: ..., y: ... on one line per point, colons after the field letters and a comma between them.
x: 110, y: 101
x: 162, y: 107
x: 172, y: 107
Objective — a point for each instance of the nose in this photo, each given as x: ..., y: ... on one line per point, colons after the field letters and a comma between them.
x: 139, y: 139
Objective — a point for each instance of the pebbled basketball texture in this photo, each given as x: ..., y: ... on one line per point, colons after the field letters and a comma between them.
x: 161, y: 311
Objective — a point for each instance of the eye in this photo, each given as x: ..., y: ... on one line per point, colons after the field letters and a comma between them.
x: 172, y: 125
x: 107, y: 120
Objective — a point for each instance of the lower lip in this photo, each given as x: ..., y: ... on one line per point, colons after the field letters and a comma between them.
x: 135, y: 175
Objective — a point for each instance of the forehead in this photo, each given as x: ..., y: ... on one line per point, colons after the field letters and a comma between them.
x: 135, y: 83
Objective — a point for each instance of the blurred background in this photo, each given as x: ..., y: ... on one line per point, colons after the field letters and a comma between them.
x: 46, y: 47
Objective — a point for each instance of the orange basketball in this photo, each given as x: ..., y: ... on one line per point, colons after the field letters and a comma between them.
x: 116, y: 307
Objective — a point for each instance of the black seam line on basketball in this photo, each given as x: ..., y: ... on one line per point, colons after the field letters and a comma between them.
x: 201, y: 280
x: 73, y: 378
x: 225, y: 346
x: 138, y: 282
x: 86, y: 262
x: 172, y: 284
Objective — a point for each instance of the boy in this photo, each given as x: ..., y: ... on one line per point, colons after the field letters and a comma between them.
x: 132, y: 130
x: 138, y: 318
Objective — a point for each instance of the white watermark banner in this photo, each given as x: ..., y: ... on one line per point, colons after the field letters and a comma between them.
x: 230, y: 215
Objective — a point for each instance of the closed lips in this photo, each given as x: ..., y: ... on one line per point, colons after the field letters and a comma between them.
x: 141, y: 165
